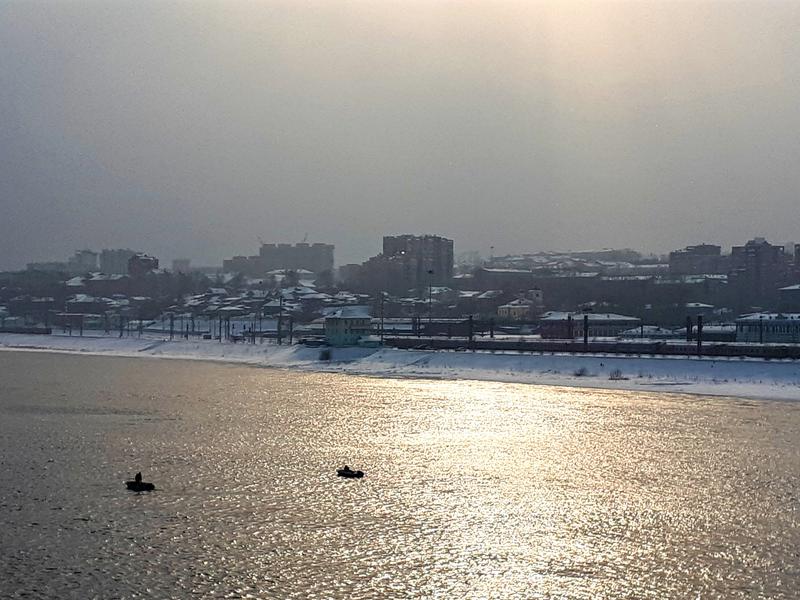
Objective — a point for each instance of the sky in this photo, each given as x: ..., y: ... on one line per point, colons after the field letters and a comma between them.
x: 196, y: 129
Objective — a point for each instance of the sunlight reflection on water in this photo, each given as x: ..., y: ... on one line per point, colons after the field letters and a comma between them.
x: 473, y: 489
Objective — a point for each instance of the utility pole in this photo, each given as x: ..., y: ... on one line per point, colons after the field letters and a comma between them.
x: 430, y: 298
x: 699, y: 335
x: 585, y: 332
x: 280, y: 319
x: 382, y: 300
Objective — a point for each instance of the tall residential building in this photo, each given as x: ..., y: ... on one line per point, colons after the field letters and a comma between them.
x: 140, y: 264
x: 758, y: 269
x: 317, y: 258
x: 115, y: 262
x: 83, y: 261
x: 420, y: 260
x: 696, y: 260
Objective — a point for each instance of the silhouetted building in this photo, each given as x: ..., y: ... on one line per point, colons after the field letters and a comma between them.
x: 246, y: 265
x: 115, y: 261
x: 83, y: 261
x: 758, y: 269
x: 316, y: 258
x: 140, y: 264
x: 696, y: 260
x: 420, y: 260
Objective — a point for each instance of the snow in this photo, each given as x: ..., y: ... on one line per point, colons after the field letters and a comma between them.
x: 750, y: 378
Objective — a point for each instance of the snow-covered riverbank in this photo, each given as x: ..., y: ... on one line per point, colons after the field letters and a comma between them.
x: 750, y: 378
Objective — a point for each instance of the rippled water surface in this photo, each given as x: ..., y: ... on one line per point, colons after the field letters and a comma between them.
x: 473, y: 489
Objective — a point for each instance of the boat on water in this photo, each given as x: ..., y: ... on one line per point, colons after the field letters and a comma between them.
x: 140, y: 486
x: 349, y: 473
x: 137, y: 485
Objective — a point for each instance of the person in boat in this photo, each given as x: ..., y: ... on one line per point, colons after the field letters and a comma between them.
x: 138, y: 478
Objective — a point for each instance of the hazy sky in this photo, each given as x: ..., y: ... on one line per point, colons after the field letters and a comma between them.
x: 192, y: 129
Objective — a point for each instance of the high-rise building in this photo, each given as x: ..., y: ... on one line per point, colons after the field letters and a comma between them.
x: 696, y: 260
x: 140, y: 264
x: 758, y: 269
x: 83, y: 261
x: 422, y: 260
x: 317, y: 258
x: 115, y: 262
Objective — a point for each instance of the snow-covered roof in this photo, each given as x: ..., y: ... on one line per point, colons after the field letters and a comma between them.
x: 648, y: 330
x: 350, y: 312
x: 489, y: 294
x: 555, y: 315
x: 518, y: 271
x: 106, y: 277
x: 518, y: 302
x: 767, y: 316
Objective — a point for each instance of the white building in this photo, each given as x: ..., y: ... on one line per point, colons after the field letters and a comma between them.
x: 347, y: 326
x: 520, y: 309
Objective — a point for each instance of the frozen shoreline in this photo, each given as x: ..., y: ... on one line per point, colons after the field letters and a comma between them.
x: 747, y: 378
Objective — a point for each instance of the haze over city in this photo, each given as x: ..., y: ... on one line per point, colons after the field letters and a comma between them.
x: 193, y: 129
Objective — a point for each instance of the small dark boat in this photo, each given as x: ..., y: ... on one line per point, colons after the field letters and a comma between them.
x: 349, y: 473
x: 140, y: 486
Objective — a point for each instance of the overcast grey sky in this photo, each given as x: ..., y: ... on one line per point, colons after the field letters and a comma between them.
x: 194, y: 128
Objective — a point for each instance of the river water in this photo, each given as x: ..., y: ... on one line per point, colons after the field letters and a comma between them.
x: 472, y: 489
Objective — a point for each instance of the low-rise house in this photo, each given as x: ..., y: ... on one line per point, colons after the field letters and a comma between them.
x: 568, y: 325
x: 520, y: 309
x: 347, y: 325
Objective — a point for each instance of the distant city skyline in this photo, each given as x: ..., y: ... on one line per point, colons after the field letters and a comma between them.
x: 218, y: 262
x: 189, y: 130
